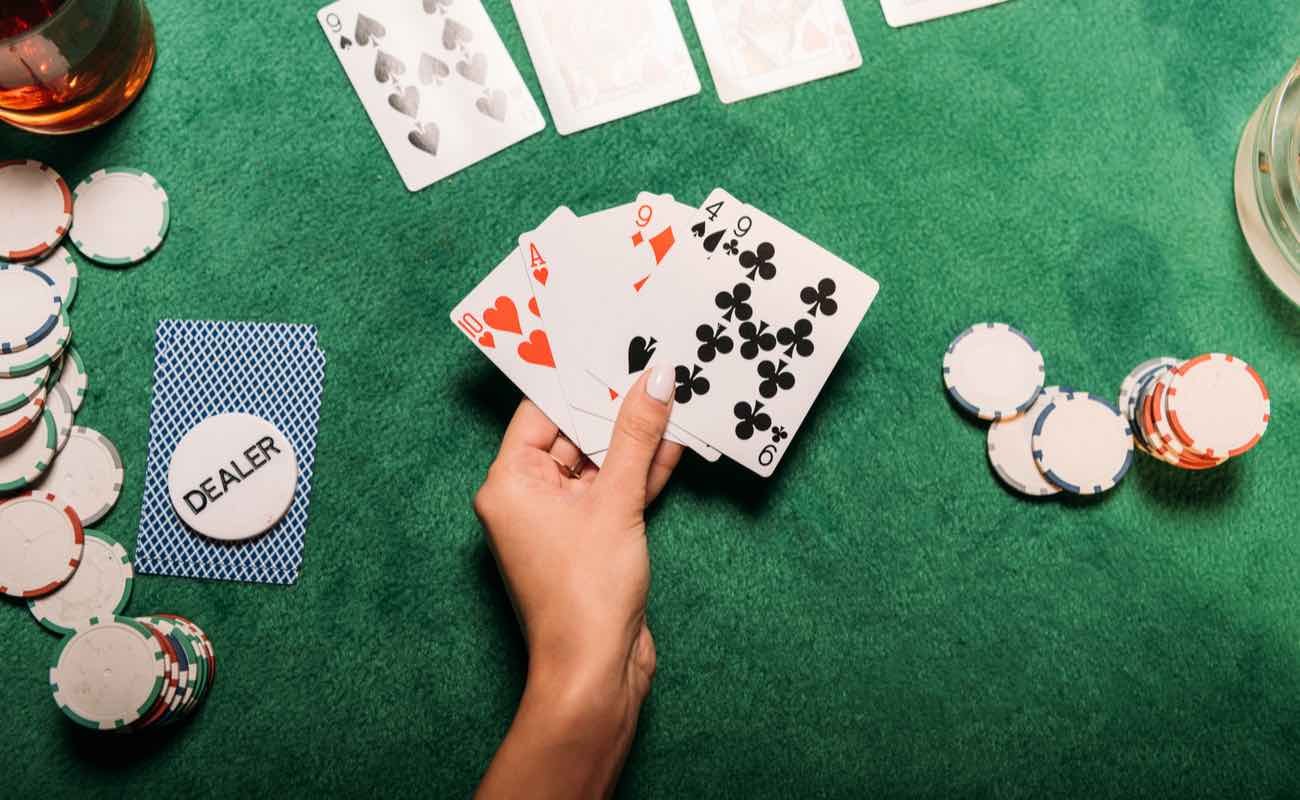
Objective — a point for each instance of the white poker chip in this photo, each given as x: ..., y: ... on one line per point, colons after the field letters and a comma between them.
x: 1218, y: 405
x: 72, y: 377
x: 61, y: 267
x: 35, y: 210
x: 109, y: 674
x: 29, y: 307
x: 60, y: 407
x: 26, y: 457
x: 98, y: 589
x: 993, y: 371
x: 87, y: 475
x: 122, y: 216
x: 1011, y: 452
x: 233, y: 477
x: 14, y: 423
x: 1082, y: 443
x: 1133, y: 382
x: 40, y: 355
x: 18, y: 392
x: 40, y: 545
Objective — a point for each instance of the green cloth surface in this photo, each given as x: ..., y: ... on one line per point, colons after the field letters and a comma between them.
x: 879, y: 619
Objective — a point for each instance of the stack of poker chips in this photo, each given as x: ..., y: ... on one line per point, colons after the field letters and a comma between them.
x: 1195, y: 413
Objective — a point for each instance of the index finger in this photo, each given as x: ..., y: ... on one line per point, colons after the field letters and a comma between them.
x: 529, y: 429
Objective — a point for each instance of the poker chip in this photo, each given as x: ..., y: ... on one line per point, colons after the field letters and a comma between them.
x: 1011, y: 452
x: 993, y: 371
x: 26, y: 457
x: 167, y: 698
x: 35, y: 209
x: 72, y: 377
x: 18, y: 392
x: 40, y: 355
x: 122, y: 216
x: 29, y: 307
x: 87, y: 474
x: 1082, y: 443
x: 232, y: 477
x: 61, y: 268
x: 1133, y: 381
x: 60, y: 407
x: 14, y: 423
x: 197, y: 650
x: 41, y: 542
x: 1218, y: 405
x: 109, y: 675
x: 98, y: 589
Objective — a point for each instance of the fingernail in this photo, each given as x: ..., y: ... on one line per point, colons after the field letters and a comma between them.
x: 661, y: 382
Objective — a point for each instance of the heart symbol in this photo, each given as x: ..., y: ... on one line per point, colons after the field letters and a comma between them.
x: 503, y: 316
x: 475, y: 69
x: 541, y: 275
x: 367, y: 28
x: 494, y: 106
x: 425, y: 137
x: 532, y: 306
x: 432, y: 69
x: 537, y: 350
x: 406, y: 101
x: 387, y: 66
x: 433, y: 6
x: 455, y: 33
x: 487, y: 339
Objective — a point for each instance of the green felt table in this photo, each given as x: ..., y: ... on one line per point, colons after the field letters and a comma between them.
x: 880, y: 618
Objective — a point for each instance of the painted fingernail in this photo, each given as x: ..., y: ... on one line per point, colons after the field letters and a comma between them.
x: 660, y: 384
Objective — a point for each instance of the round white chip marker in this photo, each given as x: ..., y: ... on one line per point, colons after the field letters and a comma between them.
x: 62, y: 269
x: 233, y: 477
x: 993, y: 371
x: 35, y: 209
x: 42, y: 354
x: 1082, y: 443
x: 98, y: 589
x: 40, y: 545
x: 121, y: 217
x: 87, y: 475
x: 26, y: 457
x: 29, y: 307
x: 1011, y: 452
x: 109, y: 675
x: 1218, y: 405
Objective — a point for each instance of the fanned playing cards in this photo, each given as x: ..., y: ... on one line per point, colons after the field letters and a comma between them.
x: 751, y: 315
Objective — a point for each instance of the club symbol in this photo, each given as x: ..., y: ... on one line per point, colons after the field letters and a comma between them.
x: 819, y: 298
x: 713, y: 342
x: 751, y: 418
x: 733, y: 303
x: 775, y: 378
x: 690, y: 384
x: 757, y: 339
x: 779, y: 434
x: 795, y: 338
x: 759, y: 262
x: 731, y: 248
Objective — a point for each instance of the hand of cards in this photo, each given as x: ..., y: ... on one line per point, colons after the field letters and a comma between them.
x: 752, y: 315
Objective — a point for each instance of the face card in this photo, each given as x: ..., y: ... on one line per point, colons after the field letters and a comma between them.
x: 899, y: 13
x: 754, y: 327
x: 501, y: 317
x: 436, y: 81
x: 758, y: 46
x: 598, y: 62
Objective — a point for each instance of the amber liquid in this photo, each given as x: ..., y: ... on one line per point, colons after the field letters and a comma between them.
x: 70, y: 65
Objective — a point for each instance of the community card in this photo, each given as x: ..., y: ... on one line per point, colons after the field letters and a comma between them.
x: 599, y: 62
x: 754, y: 327
x: 502, y: 318
x: 435, y: 79
x: 760, y: 46
x: 907, y: 12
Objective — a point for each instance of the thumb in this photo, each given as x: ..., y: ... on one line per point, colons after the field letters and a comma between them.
x: 640, y: 427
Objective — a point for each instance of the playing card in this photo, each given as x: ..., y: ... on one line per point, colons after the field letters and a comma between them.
x: 906, y: 12
x: 755, y: 317
x: 435, y: 79
x: 599, y: 62
x: 504, y: 321
x: 758, y: 46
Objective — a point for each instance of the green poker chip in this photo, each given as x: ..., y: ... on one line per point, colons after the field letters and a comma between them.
x: 120, y: 216
x: 109, y: 675
x: 99, y: 589
x: 18, y: 392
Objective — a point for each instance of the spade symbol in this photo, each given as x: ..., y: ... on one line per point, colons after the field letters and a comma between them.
x: 711, y: 243
x: 344, y: 43
x: 639, y: 353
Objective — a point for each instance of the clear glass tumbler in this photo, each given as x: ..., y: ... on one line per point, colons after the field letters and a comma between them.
x: 70, y: 65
